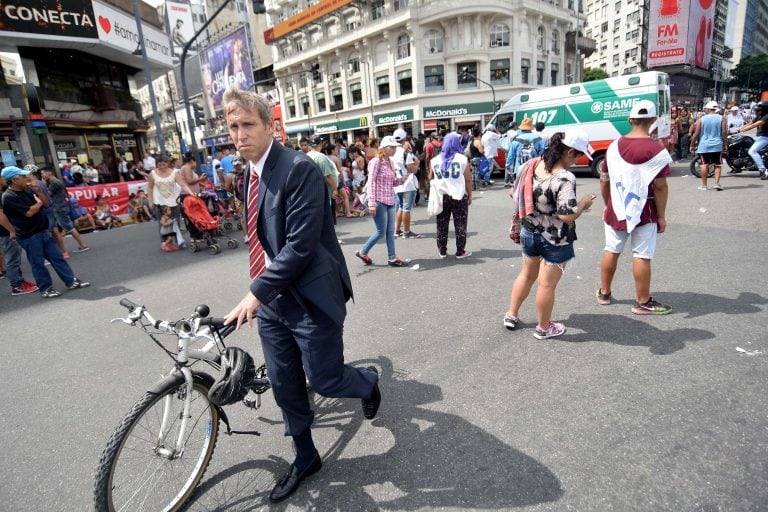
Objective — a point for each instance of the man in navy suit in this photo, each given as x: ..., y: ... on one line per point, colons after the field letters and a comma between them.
x: 299, y: 281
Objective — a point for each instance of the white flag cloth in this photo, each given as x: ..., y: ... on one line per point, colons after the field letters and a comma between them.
x: 629, y: 183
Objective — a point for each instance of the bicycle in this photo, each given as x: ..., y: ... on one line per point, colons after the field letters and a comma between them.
x: 161, y: 449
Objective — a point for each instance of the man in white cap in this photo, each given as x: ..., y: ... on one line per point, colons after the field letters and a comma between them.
x: 734, y: 119
x: 711, y: 133
x: 405, y: 162
x: 491, y: 144
x: 634, y: 187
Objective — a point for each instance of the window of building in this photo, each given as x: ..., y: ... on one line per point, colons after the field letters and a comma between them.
x: 468, y: 81
x: 589, y: 33
x: 353, y: 65
x: 334, y: 70
x: 633, y: 53
x: 320, y: 97
x: 434, y: 78
x: 382, y: 86
x: 540, y: 38
x: 333, y: 28
x: 403, y: 46
x: 291, y: 108
x: 616, y: 59
x: 400, y: 5
x: 434, y: 41
x: 356, y: 92
x: 377, y: 9
x: 618, y: 7
x: 633, y: 19
x: 616, y: 41
x: 305, y: 105
x: 352, y: 22
x: 405, y: 81
x: 500, y: 72
x: 553, y: 72
x: 571, y: 5
x: 381, y: 55
x: 314, y: 37
x: 615, y: 73
x: 604, y: 11
x: 604, y: 27
x: 555, y: 46
x: 499, y: 35
x: 540, y: 68
x: 338, y: 101
x: 616, y: 26
x: 632, y: 34
x: 525, y: 66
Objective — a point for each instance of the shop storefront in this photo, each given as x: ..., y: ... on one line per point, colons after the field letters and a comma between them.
x: 99, y: 147
x: 454, y: 117
x: 357, y: 126
x: 388, y: 122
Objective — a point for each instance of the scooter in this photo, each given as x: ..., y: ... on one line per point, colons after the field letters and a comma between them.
x: 737, y: 157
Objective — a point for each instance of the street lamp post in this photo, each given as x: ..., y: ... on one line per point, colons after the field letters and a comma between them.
x: 372, y: 125
x: 465, y: 73
x: 148, y: 74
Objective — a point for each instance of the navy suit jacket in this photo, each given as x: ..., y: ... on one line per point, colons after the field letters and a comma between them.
x: 295, y: 227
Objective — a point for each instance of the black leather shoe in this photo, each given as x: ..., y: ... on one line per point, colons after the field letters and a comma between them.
x: 291, y: 480
x: 371, y: 405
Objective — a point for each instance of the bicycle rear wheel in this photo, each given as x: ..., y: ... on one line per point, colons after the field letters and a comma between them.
x: 140, y: 469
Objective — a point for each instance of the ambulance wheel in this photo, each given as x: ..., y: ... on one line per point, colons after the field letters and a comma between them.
x: 596, y: 164
x: 232, y: 244
x: 214, y: 249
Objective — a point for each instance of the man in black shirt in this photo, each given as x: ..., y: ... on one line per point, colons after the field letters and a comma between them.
x: 22, y: 204
x: 10, y: 255
x: 761, y: 139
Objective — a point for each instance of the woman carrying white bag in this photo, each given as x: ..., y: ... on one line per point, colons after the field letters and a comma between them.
x: 451, y: 180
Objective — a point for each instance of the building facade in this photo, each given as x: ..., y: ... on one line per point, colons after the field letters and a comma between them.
x: 617, y: 27
x: 68, y: 72
x: 355, y: 69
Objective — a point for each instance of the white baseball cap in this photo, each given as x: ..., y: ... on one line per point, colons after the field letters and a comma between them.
x: 578, y: 139
x: 388, y: 142
x: 734, y: 108
x: 712, y: 105
x: 643, y: 109
x: 399, y: 135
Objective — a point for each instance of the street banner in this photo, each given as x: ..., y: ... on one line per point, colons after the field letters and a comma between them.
x: 117, y: 195
x: 180, y: 26
x: 305, y: 17
x: 224, y: 63
x: 48, y: 19
x: 700, y: 31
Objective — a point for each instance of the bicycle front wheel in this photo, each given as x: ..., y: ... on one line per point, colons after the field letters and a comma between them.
x: 146, y: 466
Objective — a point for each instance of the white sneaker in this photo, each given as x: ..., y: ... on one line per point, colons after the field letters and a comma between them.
x: 703, y: 188
x: 718, y: 186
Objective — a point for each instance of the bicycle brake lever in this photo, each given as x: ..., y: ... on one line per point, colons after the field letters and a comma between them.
x: 124, y: 320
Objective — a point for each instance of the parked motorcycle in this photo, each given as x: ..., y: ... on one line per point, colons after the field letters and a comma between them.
x: 737, y: 157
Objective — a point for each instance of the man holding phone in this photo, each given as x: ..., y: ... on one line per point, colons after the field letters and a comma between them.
x: 633, y: 183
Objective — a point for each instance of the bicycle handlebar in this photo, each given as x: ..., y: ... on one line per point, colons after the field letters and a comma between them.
x: 128, y: 304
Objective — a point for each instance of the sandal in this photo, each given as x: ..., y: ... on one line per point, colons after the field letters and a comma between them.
x: 366, y: 259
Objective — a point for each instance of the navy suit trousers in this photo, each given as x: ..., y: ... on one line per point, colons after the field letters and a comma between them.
x: 294, y: 343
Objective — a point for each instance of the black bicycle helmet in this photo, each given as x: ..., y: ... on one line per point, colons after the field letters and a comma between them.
x: 237, y: 372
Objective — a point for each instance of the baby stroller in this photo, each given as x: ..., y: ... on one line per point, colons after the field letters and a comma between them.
x: 216, y: 208
x: 201, y: 225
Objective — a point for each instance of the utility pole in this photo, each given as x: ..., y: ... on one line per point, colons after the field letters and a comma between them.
x: 148, y: 73
x: 465, y: 72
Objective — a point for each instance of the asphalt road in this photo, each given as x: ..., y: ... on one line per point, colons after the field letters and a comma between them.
x: 622, y: 413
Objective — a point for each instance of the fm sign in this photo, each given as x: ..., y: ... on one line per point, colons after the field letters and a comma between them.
x: 118, y: 30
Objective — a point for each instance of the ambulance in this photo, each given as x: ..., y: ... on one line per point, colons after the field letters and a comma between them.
x: 600, y: 107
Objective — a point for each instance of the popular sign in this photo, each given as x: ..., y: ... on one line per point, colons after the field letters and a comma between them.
x: 118, y: 30
x: 49, y: 19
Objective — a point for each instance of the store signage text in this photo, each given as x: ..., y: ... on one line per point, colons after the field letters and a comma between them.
x: 47, y: 16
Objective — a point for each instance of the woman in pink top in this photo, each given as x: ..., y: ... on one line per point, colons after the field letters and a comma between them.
x: 382, y: 180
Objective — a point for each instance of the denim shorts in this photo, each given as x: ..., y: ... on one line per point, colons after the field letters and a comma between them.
x: 535, y: 246
x: 404, y: 200
x: 643, y: 240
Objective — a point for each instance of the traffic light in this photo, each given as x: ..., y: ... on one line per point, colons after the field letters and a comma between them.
x: 199, y: 114
x: 316, y: 76
x: 259, y: 7
x: 464, y: 73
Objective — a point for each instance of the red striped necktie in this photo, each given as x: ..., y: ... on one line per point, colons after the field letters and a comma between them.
x: 255, y: 250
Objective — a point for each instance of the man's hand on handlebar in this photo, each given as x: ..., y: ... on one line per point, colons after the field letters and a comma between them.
x: 243, y: 311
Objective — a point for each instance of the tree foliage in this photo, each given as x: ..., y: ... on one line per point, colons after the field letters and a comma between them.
x: 594, y: 74
x: 751, y: 73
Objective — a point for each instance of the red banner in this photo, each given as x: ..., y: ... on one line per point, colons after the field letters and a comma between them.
x: 116, y: 195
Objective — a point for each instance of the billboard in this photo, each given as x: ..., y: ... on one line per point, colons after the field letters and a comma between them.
x: 224, y: 63
x: 117, y: 29
x: 180, y: 26
x: 680, y: 32
x: 48, y: 19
